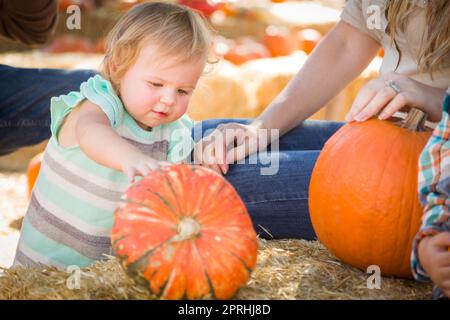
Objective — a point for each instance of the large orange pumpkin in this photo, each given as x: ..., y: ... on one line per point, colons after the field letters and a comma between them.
x: 184, y: 232
x: 33, y: 171
x: 363, y: 193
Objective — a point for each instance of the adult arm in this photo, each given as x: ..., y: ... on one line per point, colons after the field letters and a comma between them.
x: 339, y: 58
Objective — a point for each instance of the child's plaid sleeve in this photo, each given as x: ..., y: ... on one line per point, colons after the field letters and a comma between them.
x: 434, y: 187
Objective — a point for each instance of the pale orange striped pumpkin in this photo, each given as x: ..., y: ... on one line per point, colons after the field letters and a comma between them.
x: 184, y: 231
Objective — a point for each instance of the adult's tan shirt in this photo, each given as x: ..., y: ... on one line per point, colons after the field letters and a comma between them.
x: 360, y: 13
x: 28, y: 21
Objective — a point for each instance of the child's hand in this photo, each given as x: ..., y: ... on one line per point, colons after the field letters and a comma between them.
x: 138, y: 164
x: 434, y: 256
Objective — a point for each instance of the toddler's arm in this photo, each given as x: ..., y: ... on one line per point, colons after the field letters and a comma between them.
x: 102, y: 144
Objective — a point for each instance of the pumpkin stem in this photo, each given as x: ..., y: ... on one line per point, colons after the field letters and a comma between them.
x: 415, y: 120
x: 188, y: 228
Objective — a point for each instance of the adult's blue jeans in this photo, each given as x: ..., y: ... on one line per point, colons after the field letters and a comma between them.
x: 25, y: 102
x: 278, y: 204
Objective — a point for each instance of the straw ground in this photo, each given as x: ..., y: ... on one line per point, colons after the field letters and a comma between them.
x: 286, y: 269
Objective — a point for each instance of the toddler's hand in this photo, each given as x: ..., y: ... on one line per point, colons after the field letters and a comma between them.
x: 434, y: 256
x: 139, y: 164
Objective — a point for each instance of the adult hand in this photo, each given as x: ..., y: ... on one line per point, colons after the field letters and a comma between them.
x: 434, y: 256
x: 227, y: 144
x: 393, y: 92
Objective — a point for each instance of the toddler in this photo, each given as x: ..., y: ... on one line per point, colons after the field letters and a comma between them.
x: 119, y: 125
x: 431, y: 251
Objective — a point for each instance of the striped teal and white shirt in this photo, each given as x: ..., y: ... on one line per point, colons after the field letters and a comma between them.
x: 70, y: 215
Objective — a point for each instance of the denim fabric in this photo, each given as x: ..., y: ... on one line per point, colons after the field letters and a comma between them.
x: 439, y: 295
x: 25, y: 102
x: 278, y: 204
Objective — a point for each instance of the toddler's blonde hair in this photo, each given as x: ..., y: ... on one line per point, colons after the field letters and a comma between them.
x: 178, y: 32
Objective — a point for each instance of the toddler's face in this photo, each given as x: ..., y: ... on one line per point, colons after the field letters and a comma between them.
x: 155, y: 93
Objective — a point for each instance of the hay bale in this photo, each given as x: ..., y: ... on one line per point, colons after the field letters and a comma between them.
x: 41, y: 59
x: 220, y: 94
x: 253, y: 18
x: 265, y: 78
x: 301, y: 15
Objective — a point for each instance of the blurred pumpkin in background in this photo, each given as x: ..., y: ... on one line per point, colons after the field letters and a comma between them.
x: 85, y: 5
x: 229, y: 10
x: 278, y: 40
x: 121, y: 5
x: 307, y: 39
x: 70, y: 43
x: 246, y: 49
x: 99, y: 46
x: 205, y: 7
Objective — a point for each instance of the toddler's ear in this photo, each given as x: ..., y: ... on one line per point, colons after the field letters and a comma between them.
x: 112, y: 66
